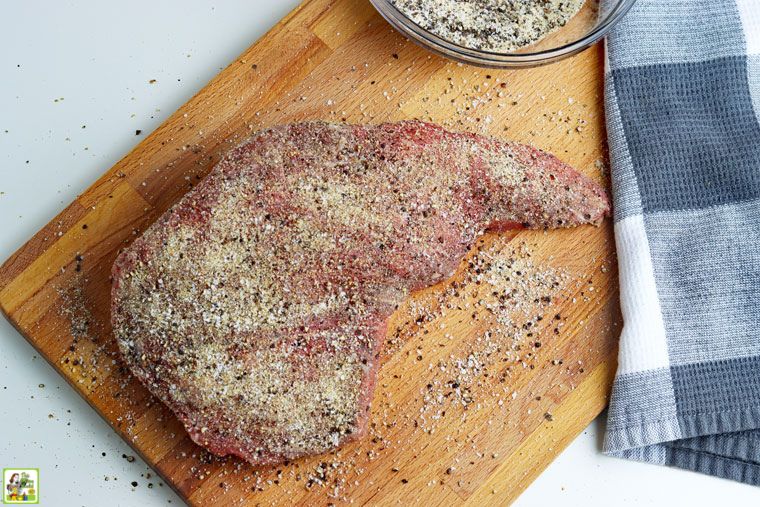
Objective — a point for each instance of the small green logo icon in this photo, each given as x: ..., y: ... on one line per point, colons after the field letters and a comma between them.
x: 21, y: 485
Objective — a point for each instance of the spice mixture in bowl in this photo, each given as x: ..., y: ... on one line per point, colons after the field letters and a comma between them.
x: 504, y: 33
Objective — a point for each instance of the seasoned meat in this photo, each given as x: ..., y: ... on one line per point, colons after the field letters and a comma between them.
x: 255, y: 308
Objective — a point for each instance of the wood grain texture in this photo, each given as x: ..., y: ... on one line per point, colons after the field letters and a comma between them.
x: 338, y: 60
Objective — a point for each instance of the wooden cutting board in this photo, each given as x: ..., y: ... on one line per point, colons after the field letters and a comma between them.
x: 428, y: 443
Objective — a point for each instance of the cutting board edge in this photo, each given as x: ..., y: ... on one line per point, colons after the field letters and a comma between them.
x: 6, y: 265
x: 82, y: 394
x: 19, y: 254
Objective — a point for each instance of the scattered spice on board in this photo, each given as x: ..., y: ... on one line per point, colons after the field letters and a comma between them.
x: 504, y: 295
x: 511, y: 294
x: 490, y: 25
x: 485, y: 394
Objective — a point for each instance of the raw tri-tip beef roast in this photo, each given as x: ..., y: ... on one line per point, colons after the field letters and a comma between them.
x: 255, y: 308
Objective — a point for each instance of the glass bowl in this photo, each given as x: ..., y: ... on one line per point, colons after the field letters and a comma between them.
x: 588, y: 26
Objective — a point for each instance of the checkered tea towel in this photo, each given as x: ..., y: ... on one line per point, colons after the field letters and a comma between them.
x: 683, y: 102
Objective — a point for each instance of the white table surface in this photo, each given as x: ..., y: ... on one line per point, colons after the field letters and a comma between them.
x: 96, y: 58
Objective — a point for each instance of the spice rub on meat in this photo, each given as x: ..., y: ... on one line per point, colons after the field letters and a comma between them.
x: 255, y: 308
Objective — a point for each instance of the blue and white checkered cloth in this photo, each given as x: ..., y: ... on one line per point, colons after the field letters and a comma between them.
x: 683, y: 102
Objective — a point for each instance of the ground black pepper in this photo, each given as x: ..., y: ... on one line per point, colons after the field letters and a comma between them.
x: 492, y: 25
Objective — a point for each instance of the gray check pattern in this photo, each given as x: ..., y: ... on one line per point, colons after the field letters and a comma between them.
x: 682, y: 95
